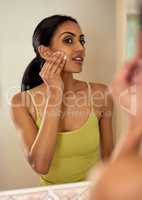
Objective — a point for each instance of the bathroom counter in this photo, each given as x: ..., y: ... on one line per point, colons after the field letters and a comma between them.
x: 75, y: 191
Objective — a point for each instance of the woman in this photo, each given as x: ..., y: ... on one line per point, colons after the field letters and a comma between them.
x: 61, y: 128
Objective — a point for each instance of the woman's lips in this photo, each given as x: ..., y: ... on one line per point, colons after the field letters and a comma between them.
x: 78, y: 60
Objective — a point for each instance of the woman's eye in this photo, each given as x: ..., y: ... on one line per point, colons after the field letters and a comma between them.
x: 82, y: 41
x: 68, y: 40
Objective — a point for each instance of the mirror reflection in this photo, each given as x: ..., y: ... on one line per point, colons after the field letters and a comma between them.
x: 61, y: 109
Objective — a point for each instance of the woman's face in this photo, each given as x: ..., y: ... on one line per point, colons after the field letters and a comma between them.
x: 70, y: 39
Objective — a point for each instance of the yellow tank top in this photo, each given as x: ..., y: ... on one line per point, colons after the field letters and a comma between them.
x: 76, y: 152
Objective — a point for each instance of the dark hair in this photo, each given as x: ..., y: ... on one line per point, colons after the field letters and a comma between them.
x: 42, y: 35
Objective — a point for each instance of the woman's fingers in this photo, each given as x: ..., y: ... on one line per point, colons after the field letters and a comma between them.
x: 43, y: 69
x: 127, y: 76
x: 55, y: 64
x: 55, y: 56
x: 61, y: 66
x: 48, y: 64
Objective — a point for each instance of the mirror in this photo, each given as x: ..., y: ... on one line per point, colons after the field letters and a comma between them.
x: 19, y: 19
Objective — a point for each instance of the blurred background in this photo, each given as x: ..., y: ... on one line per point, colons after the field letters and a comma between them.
x: 105, y: 24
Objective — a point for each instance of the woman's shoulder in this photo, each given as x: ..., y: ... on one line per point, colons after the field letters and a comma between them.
x: 20, y: 102
x: 96, y: 87
x: 18, y: 97
x: 102, y: 95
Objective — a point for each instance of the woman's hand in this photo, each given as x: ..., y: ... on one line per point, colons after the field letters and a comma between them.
x: 127, y: 86
x: 127, y: 90
x: 51, y: 70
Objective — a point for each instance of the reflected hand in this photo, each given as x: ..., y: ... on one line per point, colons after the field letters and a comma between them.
x: 52, y: 68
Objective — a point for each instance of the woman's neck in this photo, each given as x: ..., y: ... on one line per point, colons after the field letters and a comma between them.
x: 68, y: 81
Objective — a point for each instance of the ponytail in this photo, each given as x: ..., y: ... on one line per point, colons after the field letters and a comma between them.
x: 31, y: 77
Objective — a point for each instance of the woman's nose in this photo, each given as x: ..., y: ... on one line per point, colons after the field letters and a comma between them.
x: 79, y: 47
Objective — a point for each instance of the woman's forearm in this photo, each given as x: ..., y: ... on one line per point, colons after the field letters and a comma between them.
x: 43, y: 148
x: 129, y: 143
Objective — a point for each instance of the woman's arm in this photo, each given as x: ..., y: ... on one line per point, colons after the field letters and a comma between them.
x: 39, y: 145
x: 129, y: 143
x: 103, y: 106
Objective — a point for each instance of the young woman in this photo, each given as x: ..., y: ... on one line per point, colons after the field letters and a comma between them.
x: 64, y: 123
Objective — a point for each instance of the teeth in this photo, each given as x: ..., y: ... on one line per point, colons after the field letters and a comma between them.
x: 79, y: 59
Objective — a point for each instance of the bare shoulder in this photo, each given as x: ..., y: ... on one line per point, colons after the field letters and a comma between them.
x: 17, y: 98
x: 99, y: 87
x: 95, y: 87
x: 24, y: 99
x: 20, y: 99
x: 101, y: 93
x: 20, y: 110
x: 18, y: 106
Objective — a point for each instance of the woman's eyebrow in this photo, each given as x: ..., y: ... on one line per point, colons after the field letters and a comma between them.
x: 67, y: 32
x: 82, y: 35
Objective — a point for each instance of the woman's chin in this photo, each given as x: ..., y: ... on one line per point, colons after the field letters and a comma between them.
x: 73, y: 69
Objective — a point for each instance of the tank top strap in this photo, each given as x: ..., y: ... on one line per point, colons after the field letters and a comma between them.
x: 34, y: 104
x: 90, y: 100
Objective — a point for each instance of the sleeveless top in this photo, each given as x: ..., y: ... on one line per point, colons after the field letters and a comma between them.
x: 76, y: 151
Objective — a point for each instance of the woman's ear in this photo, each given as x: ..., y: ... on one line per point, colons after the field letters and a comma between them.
x: 44, y: 52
